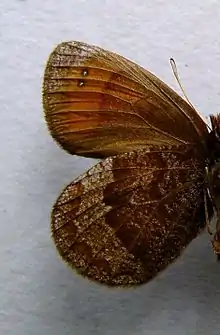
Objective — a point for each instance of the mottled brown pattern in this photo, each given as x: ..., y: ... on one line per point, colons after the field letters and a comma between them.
x: 132, y: 214
x: 137, y: 212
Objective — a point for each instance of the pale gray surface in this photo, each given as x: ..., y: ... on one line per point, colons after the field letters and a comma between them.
x: 38, y: 293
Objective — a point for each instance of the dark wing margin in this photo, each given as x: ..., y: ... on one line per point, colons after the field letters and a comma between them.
x: 99, y: 104
x: 131, y: 215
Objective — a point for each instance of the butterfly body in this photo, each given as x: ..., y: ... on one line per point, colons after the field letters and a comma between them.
x: 214, y: 176
x: 133, y: 213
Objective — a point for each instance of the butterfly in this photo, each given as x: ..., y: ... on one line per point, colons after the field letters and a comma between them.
x: 157, y: 185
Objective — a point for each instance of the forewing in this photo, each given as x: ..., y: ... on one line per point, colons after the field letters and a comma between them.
x: 98, y: 104
x: 131, y: 215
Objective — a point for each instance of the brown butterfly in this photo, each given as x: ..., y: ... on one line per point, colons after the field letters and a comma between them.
x: 158, y: 186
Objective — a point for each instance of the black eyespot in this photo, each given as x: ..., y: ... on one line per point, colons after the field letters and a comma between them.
x: 81, y: 83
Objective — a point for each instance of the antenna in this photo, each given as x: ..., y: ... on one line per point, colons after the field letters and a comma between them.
x: 176, y: 75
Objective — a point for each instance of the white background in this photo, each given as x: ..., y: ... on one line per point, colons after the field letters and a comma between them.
x: 38, y: 293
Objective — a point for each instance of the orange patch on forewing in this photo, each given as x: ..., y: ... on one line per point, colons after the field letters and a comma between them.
x: 93, y: 96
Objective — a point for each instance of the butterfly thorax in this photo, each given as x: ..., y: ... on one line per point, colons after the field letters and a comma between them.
x: 214, y: 188
x: 214, y: 158
x: 213, y: 142
x: 214, y: 174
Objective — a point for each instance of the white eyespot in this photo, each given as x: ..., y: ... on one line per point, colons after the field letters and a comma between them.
x: 85, y: 73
